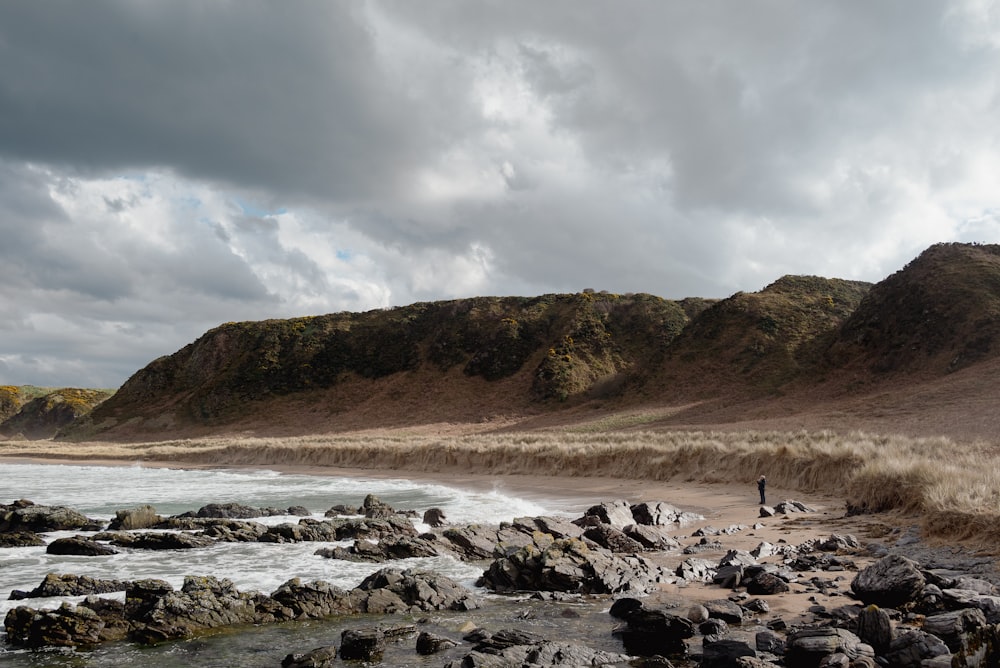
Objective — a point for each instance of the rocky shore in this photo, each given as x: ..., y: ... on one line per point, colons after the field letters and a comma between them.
x: 679, y: 591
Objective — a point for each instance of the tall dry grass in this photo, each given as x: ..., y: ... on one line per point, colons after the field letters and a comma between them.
x: 955, y: 489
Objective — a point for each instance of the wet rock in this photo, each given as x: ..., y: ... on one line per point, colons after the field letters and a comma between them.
x: 202, y: 603
x: 69, y: 585
x: 321, y: 657
x: 429, y: 643
x: 141, y: 517
x: 362, y: 645
x: 374, y: 508
x: 434, y: 517
x: 341, y: 510
x: 21, y: 539
x: 724, y: 652
x: 80, y: 546
x: 651, y: 631
x: 313, y: 600
x: 161, y: 541
x: 67, y: 626
x: 41, y: 519
x: 890, y: 582
x: 399, y: 547
x: 770, y: 642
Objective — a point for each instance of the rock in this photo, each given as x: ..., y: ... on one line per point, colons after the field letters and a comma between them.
x: 341, y: 510
x: 661, y: 514
x: 613, y: 539
x: 553, y: 526
x: 569, y: 565
x: 42, y: 519
x: 766, y: 584
x: 806, y: 647
x: 890, y: 582
x: 912, y: 649
x: 697, y: 613
x: 79, y: 546
x: 725, y: 610
x: 362, y: 644
x: 230, y: 511
x: 770, y: 642
x: 723, y: 653
x: 313, y: 600
x: 202, y: 603
x: 616, y: 513
x: 429, y: 643
x: 21, y: 539
x: 875, y: 628
x: 69, y: 585
x: 651, y: 537
x: 321, y: 657
x: 142, y: 517
x: 298, y: 511
x: 959, y: 629
x: 420, y: 591
x: 161, y: 541
x: 713, y: 628
x: 67, y: 626
x: 434, y: 517
x: 652, y: 631
x: 729, y: 577
x: 399, y: 547
x: 374, y: 508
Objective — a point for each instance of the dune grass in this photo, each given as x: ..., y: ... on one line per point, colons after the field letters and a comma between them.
x: 953, y: 488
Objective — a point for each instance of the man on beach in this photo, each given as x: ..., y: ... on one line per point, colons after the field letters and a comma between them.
x: 761, y: 483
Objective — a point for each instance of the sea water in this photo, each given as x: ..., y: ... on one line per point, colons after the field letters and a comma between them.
x: 99, y: 491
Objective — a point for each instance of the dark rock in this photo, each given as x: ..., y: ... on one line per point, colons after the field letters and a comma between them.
x: 69, y: 585
x: 374, y: 508
x: 959, y: 629
x: 429, y: 643
x: 321, y: 657
x: 298, y: 511
x: 420, y: 591
x: 875, y: 628
x: 770, y: 642
x: 362, y: 644
x: 161, y: 541
x: 434, y: 517
x: 571, y: 566
x: 297, y: 600
x: 806, y: 647
x: 715, y: 628
x: 766, y: 584
x: 80, y: 546
x: 910, y: 649
x: 41, y: 519
x: 652, y: 631
x: 66, y: 626
x: 723, y: 653
x: 399, y: 547
x: 21, y: 539
x: 724, y: 609
x: 890, y: 582
x: 613, y: 539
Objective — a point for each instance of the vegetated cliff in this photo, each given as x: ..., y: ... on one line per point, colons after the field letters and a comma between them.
x: 38, y: 417
x: 479, y: 359
x: 938, y: 314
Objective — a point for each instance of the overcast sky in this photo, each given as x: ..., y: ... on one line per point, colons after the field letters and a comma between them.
x: 169, y: 166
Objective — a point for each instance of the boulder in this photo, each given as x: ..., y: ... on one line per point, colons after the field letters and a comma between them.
x: 66, y: 626
x: 569, y: 565
x: 41, y: 519
x: 374, y: 508
x: 362, y: 644
x: 430, y: 643
x: 321, y: 657
x: 725, y: 610
x: 766, y: 584
x: 724, y: 652
x: 806, y: 647
x: 959, y: 629
x: 875, y: 628
x: 613, y: 539
x: 434, y: 517
x: 20, y: 539
x: 890, y: 582
x: 161, y: 541
x: 616, y: 513
x: 651, y: 537
x: 913, y: 649
x: 421, y: 591
x: 69, y: 585
x: 79, y: 546
x: 398, y: 547
x: 652, y: 631
x: 141, y: 517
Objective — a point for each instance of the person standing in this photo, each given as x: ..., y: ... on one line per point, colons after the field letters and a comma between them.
x: 761, y: 484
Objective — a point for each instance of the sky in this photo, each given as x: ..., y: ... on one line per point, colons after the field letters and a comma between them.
x: 167, y: 166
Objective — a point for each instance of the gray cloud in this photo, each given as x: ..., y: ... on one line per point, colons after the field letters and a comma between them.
x: 168, y: 166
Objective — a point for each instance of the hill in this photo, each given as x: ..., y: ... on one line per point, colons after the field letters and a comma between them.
x: 803, y: 353
x: 31, y: 412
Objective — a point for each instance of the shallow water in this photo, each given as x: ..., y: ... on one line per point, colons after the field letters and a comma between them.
x: 99, y: 491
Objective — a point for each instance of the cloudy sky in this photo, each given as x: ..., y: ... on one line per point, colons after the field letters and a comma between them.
x: 167, y: 166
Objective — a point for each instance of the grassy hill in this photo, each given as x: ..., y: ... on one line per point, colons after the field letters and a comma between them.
x: 32, y: 412
x: 803, y: 352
